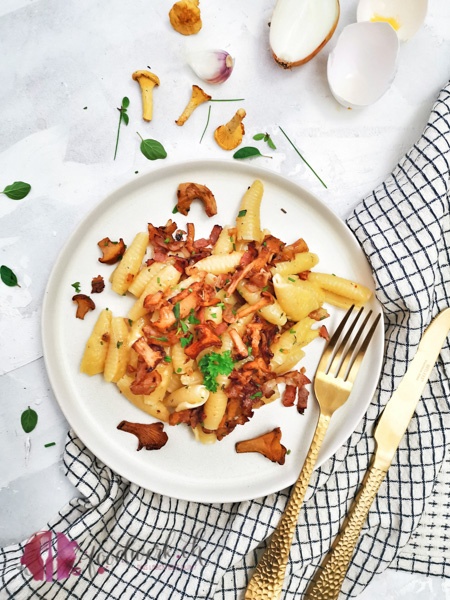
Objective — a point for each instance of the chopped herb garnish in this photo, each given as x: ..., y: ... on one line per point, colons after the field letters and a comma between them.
x: 176, y: 310
x: 49, y: 444
x: 185, y: 341
x: 168, y: 359
x: 76, y: 286
x: 256, y: 395
x: 119, y: 344
x: 291, y: 279
x: 242, y: 213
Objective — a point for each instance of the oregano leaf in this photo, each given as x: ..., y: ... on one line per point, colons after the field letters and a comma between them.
x: 152, y: 149
x: 8, y: 276
x: 247, y: 152
x: 17, y: 190
x: 29, y: 420
x: 259, y: 136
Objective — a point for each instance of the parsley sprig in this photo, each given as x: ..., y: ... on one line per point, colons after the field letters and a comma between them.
x: 214, y: 364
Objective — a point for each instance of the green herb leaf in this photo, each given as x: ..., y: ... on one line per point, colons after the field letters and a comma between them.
x: 29, y: 420
x: 248, y: 152
x: 259, y: 136
x: 185, y: 341
x: 17, y: 190
x: 270, y: 142
x: 176, y: 310
x: 49, y: 444
x: 303, y: 159
x: 76, y: 286
x: 242, y: 213
x: 152, y: 149
x: 123, y: 117
x: 8, y: 276
x: 214, y: 364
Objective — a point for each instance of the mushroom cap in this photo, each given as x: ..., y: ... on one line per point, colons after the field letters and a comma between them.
x: 143, y: 75
x: 185, y: 17
x: 230, y: 135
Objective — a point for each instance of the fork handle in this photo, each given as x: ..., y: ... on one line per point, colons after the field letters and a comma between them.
x: 328, y: 580
x: 267, y: 580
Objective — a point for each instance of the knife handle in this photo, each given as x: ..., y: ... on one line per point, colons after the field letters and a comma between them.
x: 267, y: 580
x: 329, y: 577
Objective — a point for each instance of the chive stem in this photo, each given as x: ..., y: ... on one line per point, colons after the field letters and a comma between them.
x: 303, y: 159
x: 207, y: 123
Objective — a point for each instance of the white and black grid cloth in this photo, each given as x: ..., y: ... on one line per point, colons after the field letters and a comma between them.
x: 173, y: 549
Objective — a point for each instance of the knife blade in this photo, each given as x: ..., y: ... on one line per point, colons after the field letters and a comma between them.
x: 389, y: 431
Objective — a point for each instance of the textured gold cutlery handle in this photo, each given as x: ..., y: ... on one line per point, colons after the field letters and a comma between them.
x: 327, y: 582
x: 267, y: 580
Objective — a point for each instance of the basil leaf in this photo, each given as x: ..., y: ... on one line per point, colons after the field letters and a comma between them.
x: 247, y: 152
x: 29, y: 420
x: 17, y: 190
x: 152, y: 149
x: 8, y: 276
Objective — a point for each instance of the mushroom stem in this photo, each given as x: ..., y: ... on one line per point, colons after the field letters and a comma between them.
x: 229, y: 136
x: 147, y: 82
x: 235, y: 122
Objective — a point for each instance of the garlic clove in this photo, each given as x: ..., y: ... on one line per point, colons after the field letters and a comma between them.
x: 212, y: 66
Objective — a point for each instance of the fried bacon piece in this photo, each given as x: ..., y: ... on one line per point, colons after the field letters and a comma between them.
x: 97, y: 285
x: 205, y: 338
x: 146, y: 380
x: 84, y: 305
x: 295, y: 389
x: 188, y: 192
x: 269, y: 445
x: 151, y: 436
x: 190, y: 416
x: 112, y: 252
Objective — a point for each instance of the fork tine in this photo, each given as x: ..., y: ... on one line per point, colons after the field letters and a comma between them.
x: 347, y: 350
x: 323, y: 363
x: 356, y: 362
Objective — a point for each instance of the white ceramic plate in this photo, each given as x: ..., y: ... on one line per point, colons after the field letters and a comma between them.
x: 184, y: 468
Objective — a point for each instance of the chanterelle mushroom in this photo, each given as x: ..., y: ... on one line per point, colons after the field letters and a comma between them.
x: 147, y: 82
x: 230, y: 135
x: 151, y: 436
x: 187, y: 192
x: 268, y: 445
x: 198, y: 96
x: 84, y: 305
x: 185, y: 17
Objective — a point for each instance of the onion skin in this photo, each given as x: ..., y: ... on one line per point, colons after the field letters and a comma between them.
x: 289, y: 65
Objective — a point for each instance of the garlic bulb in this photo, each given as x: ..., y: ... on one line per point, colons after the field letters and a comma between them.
x: 212, y: 66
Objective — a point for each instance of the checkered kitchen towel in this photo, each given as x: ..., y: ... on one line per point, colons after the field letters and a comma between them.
x: 131, y: 543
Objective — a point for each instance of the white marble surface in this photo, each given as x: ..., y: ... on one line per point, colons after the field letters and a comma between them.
x: 64, y: 69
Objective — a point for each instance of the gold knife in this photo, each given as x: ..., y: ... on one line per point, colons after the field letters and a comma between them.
x: 389, y: 431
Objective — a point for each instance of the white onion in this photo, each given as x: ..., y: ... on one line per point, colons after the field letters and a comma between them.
x: 212, y: 66
x: 299, y: 29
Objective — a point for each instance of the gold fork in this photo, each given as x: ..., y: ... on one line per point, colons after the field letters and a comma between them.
x: 333, y: 383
